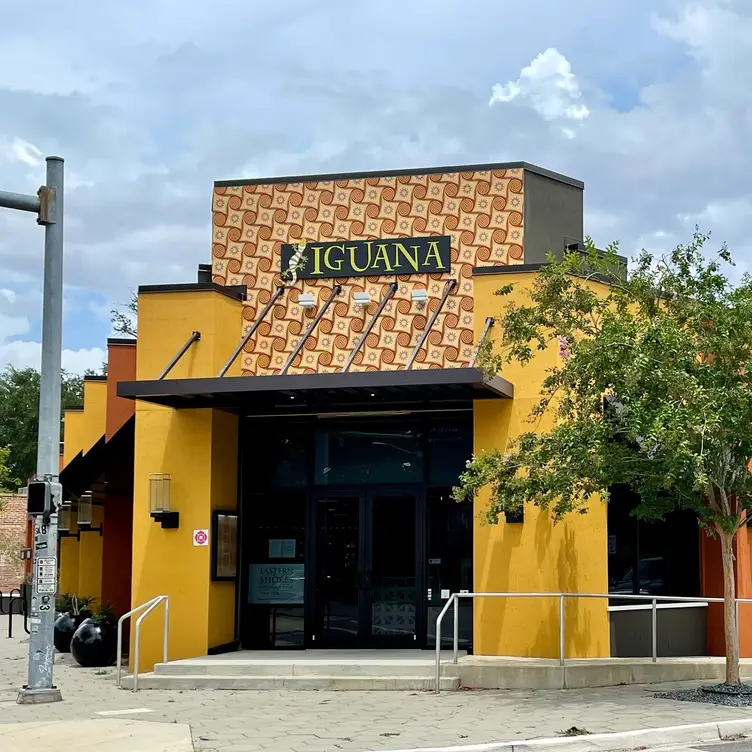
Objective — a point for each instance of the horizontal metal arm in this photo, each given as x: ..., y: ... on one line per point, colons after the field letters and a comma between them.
x: 20, y: 201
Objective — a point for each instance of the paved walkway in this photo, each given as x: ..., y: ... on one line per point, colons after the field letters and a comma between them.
x: 280, y: 721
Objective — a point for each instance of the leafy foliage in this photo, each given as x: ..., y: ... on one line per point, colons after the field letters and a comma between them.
x: 651, y: 390
x: 19, y: 417
x: 105, y: 614
x: 7, y: 482
x: 668, y: 354
x: 124, y: 317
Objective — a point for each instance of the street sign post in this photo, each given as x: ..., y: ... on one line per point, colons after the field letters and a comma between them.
x: 48, y: 206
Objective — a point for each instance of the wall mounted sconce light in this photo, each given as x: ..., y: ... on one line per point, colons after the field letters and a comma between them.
x: 362, y: 299
x: 84, y: 510
x: 84, y: 520
x: 306, y: 300
x: 64, y: 519
x: 419, y: 296
x: 160, y: 501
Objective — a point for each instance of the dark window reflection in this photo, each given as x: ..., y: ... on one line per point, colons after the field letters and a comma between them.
x: 450, y: 446
x: 362, y: 455
x: 651, y: 558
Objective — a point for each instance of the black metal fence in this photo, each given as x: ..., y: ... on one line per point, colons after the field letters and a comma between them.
x: 14, y: 603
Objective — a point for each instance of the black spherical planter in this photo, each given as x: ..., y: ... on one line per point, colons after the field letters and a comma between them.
x: 94, y: 645
x: 65, y: 626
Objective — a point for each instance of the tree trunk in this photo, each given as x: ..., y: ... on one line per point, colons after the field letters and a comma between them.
x: 729, y: 609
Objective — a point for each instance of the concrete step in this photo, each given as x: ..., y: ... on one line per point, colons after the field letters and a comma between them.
x: 265, y: 682
x: 236, y: 667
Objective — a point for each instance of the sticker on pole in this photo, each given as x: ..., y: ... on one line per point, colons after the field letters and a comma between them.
x: 200, y: 537
x: 46, y: 579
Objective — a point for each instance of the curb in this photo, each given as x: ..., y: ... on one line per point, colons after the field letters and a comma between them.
x: 695, y: 733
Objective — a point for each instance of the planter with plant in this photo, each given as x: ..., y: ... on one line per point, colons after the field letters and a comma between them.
x: 72, y: 611
x: 94, y: 643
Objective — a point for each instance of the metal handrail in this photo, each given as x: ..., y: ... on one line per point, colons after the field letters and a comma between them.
x: 455, y: 597
x: 147, y: 608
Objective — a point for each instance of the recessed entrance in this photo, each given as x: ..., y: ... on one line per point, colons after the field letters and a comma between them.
x: 350, y: 538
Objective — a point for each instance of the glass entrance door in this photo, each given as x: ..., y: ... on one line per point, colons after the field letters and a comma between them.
x: 393, y: 595
x: 366, y: 585
x: 340, y: 563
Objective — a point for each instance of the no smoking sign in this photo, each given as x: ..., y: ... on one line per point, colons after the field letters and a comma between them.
x: 200, y: 537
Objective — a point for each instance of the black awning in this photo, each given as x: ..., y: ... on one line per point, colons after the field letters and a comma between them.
x: 87, y: 468
x: 84, y: 469
x: 361, y: 391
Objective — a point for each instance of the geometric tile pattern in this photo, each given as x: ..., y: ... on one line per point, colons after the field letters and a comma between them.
x: 481, y: 211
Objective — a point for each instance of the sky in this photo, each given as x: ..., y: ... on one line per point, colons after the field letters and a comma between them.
x: 649, y: 102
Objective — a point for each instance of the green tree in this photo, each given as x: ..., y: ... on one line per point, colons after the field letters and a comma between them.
x: 6, y: 479
x: 8, y: 545
x: 652, y: 391
x: 19, y: 416
x: 124, y: 317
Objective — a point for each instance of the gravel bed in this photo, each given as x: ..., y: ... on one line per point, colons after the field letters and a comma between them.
x: 739, y: 696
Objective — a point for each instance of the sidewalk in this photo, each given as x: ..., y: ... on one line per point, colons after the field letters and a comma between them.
x: 283, y: 721
x: 115, y: 736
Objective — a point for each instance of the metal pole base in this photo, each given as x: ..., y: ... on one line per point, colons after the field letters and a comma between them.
x: 38, y: 696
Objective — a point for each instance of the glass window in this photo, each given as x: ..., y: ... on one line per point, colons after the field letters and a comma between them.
x: 352, y: 456
x: 450, y: 446
x: 449, y: 554
x: 651, y: 558
x: 275, y: 570
x: 225, y: 546
x: 290, y: 458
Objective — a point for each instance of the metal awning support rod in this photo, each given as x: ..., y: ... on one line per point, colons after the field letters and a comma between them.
x: 448, y: 287
x: 359, y: 344
x: 489, y: 323
x: 268, y: 307
x: 195, y: 337
x: 336, y: 290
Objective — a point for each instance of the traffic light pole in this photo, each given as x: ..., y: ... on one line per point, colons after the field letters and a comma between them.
x: 48, y: 205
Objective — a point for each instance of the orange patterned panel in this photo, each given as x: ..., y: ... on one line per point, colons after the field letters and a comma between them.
x: 481, y: 211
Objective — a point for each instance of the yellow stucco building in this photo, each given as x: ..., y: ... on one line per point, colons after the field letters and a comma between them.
x: 299, y: 415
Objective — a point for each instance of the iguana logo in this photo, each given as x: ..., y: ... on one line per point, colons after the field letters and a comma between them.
x: 290, y: 275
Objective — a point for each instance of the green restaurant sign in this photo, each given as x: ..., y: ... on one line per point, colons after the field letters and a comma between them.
x: 360, y: 258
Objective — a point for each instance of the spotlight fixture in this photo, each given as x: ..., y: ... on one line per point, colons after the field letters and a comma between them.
x: 419, y: 295
x: 306, y: 300
x: 362, y: 299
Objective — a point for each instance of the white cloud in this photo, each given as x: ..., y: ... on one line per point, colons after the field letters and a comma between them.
x: 25, y: 152
x: 17, y: 309
x: 548, y: 86
x: 22, y: 353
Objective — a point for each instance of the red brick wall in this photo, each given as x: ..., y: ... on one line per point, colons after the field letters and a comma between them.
x: 12, y: 532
